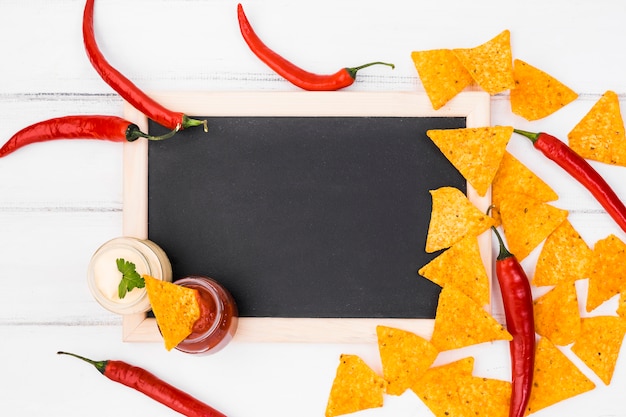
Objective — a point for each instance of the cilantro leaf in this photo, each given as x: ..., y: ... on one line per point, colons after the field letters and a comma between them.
x: 130, y: 277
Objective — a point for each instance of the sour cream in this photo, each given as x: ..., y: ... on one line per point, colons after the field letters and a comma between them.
x: 103, y: 277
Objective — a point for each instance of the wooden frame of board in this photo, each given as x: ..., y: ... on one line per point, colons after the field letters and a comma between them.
x: 474, y: 106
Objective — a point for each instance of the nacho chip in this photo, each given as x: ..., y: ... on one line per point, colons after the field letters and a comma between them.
x: 485, y: 396
x: 460, y: 367
x: 442, y: 74
x: 405, y: 356
x: 475, y: 152
x: 599, y: 344
x: 528, y: 222
x: 556, y: 378
x: 439, y: 390
x: 600, y: 134
x: 490, y: 64
x: 453, y: 217
x: 557, y: 315
x: 513, y: 177
x: 462, y: 266
x: 175, y: 308
x: 460, y: 322
x: 356, y: 387
x: 607, y: 272
x: 621, y: 307
x: 565, y: 257
x: 537, y: 94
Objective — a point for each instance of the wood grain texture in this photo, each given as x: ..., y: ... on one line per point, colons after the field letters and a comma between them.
x: 60, y: 201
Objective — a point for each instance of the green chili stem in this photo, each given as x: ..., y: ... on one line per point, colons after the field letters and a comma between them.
x: 162, y: 137
x: 530, y: 135
x: 189, y: 122
x: 100, y: 365
x: 133, y: 133
x: 352, y: 71
x: 504, y: 252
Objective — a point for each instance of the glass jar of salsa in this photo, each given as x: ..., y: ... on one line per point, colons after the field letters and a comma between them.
x: 218, y: 316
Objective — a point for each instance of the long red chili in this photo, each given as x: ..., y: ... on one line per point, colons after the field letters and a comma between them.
x: 150, y: 385
x: 520, y: 322
x: 110, y: 128
x: 124, y: 87
x: 582, y: 171
x: 294, y: 74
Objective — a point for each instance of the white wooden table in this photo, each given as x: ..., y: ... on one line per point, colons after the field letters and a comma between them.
x: 60, y: 201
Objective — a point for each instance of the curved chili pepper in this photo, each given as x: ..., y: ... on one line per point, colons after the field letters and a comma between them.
x: 520, y: 322
x: 582, y: 171
x: 150, y: 385
x: 111, y: 128
x: 294, y: 74
x: 124, y: 87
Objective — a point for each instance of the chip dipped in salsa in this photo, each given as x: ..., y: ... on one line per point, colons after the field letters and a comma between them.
x: 194, y: 315
x: 218, y: 319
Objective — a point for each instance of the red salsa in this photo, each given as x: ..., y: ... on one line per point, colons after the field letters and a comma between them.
x: 218, y: 316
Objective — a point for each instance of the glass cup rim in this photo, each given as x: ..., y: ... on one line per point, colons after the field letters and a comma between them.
x: 210, y: 285
x: 140, y: 248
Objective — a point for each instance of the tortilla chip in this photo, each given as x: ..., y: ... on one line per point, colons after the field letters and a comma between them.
x: 607, y: 272
x: 599, y: 344
x: 513, y: 177
x: 175, y: 308
x: 557, y: 314
x: 621, y: 307
x: 461, y: 266
x: 460, y: 322
x: 485, y: 396
x: 556, y: 378
x: 442, y: 74
x: 490, y: 64
x: 528, y: 222
x: 439, y: 390
x: 536, y: 94
x: 600, y: 134
x: 460, y: 367
x: 453, y: 217
x: 405, y: 356
x: 565, y: 257
x: 475, y: 152
x: 356, y: 387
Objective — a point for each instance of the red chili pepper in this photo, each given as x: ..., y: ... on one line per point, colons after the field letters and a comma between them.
x: 296, y: 75
x: 520, y: 322
x: 124, y: 87
x: 582, y: 171
x: 150, y: 385
x: 111, y: 128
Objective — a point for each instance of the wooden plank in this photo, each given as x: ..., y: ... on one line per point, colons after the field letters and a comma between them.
x: 45, y: 253
x: 224, y: 62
